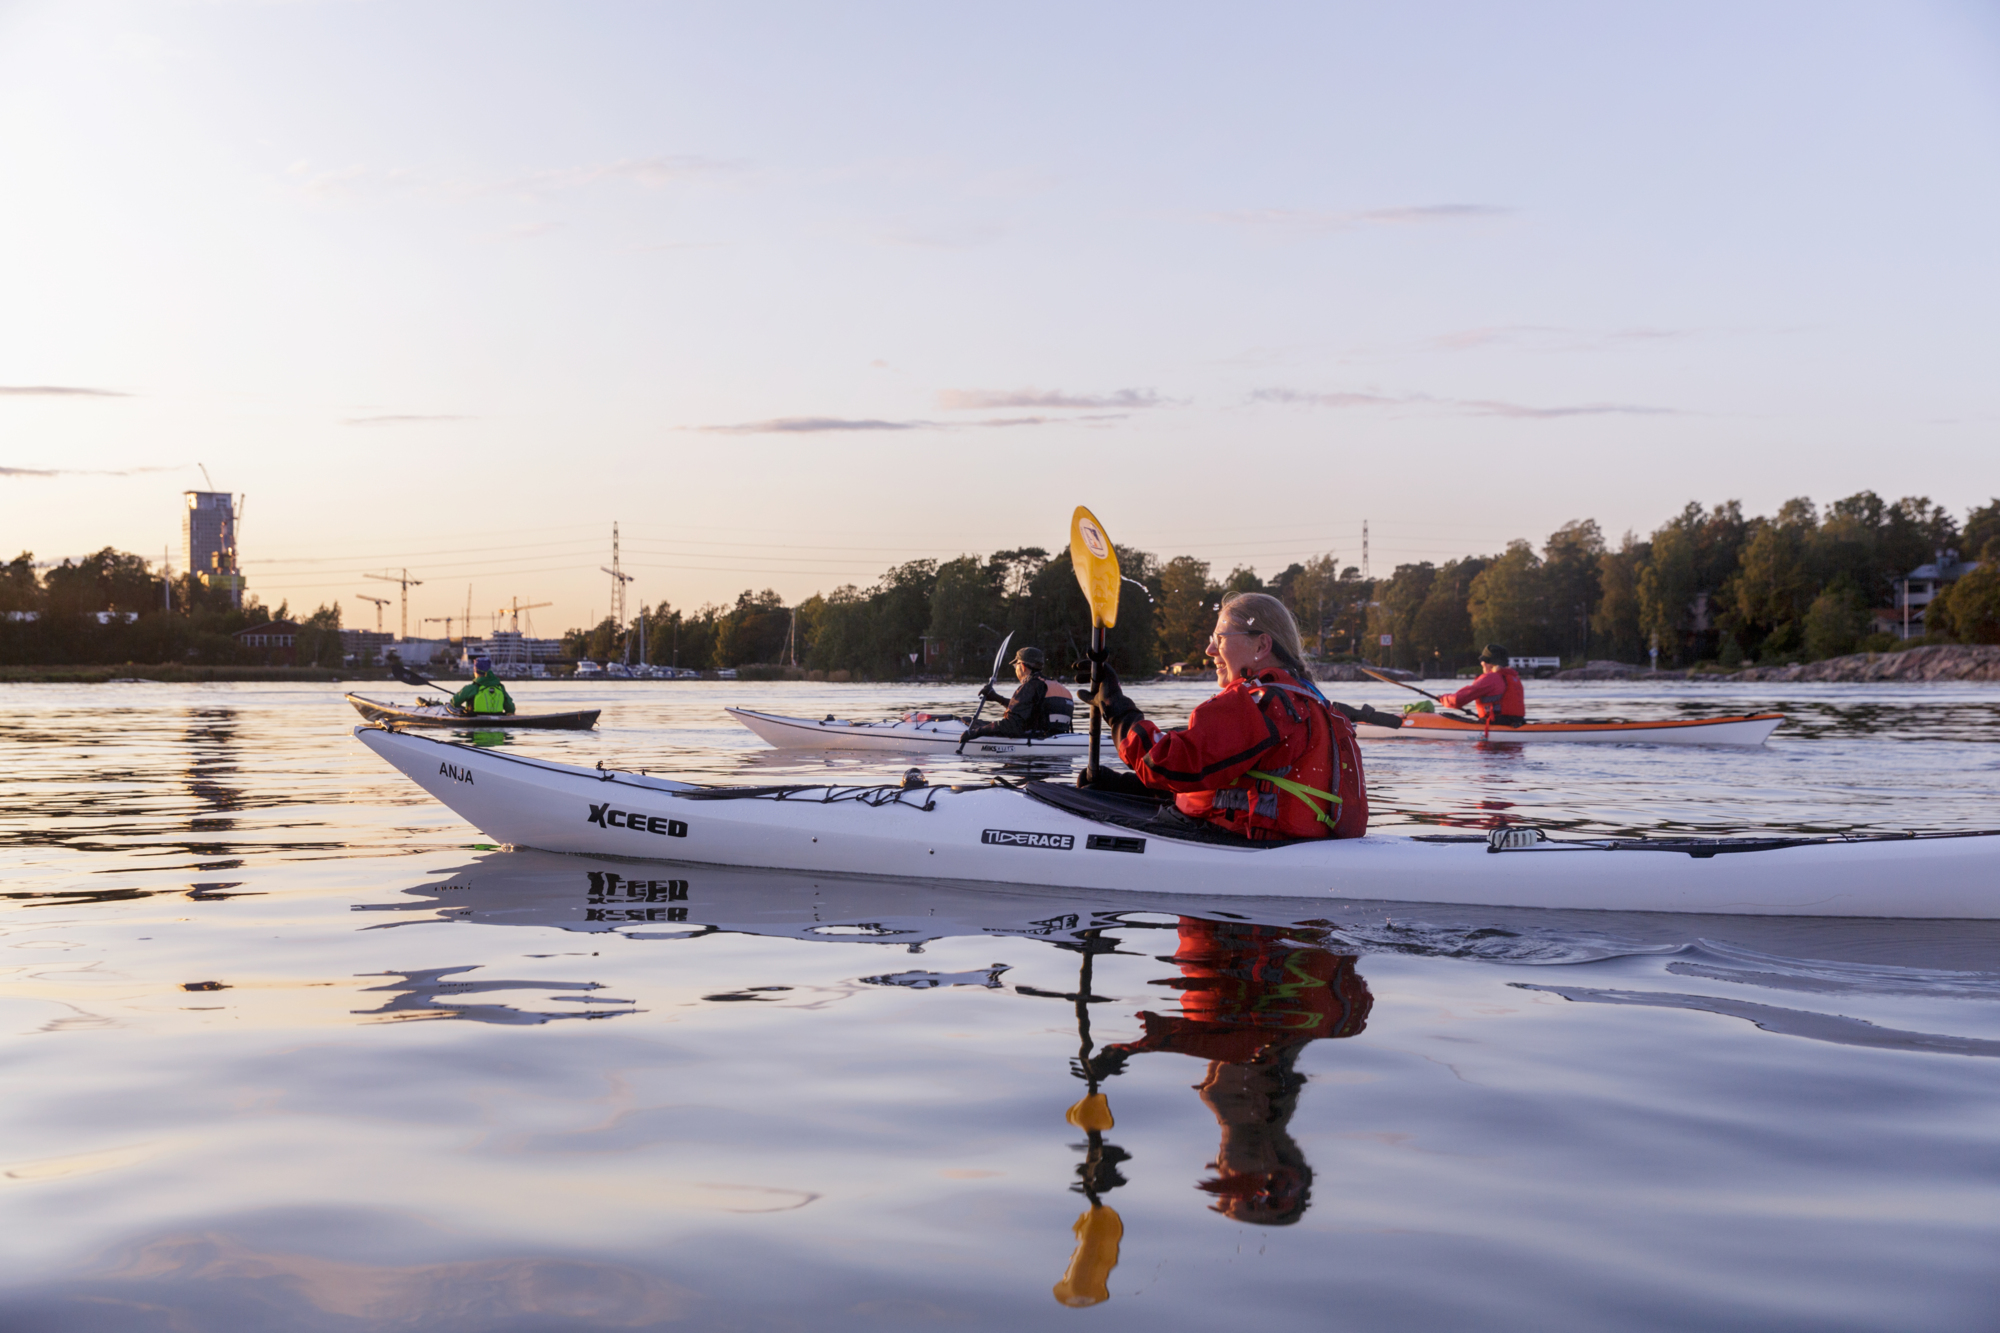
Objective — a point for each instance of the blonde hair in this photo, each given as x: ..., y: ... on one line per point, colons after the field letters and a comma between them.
x: 1261, y: 613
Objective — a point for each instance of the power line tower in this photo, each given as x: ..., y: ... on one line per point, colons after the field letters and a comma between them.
x: 619, y: 578
x: 407, y: 583
x: 1364, y: 550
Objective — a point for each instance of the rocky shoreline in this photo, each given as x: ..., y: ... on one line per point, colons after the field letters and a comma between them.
x: 1945, y: 662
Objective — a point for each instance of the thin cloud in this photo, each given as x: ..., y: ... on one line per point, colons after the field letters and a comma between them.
x: 1293, y: 397
x: 1480, y: 407
x: 1543, y: 337
x: 57, y: 391
x: 400, y: 420
x: 358, y: 180
x: 1304, y: 220
x: 988, y: 400
x: 1476, y: 407
x: 653, y: 172
x: 825, y: 425
x: 811, y: 426
x: 83, y: 472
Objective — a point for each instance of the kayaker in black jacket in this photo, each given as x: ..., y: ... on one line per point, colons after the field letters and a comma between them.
x: 1039, y: 706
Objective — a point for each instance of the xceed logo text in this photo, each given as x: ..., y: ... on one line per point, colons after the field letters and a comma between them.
x: 1000, y: 837
x: 605, y: 817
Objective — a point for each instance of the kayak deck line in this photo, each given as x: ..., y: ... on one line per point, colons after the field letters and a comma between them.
x: 1044, y: 834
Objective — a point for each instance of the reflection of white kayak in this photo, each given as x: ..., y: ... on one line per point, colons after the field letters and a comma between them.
x: 1052, y: 835
x: 918, y: 732
x: 1744, y: 729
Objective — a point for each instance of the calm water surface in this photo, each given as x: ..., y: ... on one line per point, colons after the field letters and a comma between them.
x: 288, y: 1048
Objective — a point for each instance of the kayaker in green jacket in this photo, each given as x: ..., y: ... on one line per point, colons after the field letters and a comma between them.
x: 485, y: 694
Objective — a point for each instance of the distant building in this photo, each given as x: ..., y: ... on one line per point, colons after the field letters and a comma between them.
x: 365, y: 647
x: 1915, y: 592
x: 208, y: 539
x: 511, y: 650
x: 277, y: 639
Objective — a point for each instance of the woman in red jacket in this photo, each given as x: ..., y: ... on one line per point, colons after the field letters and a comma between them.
x: 1268, y: 757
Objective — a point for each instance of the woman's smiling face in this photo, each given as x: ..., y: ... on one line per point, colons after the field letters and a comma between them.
x: 1239, y: 654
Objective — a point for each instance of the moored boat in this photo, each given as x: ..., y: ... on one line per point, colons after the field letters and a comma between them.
x: 914, y: 733
x: 437, y: 715
x: 1053, y: 835
x: 1740, y: 729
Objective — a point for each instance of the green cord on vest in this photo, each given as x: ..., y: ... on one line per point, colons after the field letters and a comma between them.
x: 1303, y: 792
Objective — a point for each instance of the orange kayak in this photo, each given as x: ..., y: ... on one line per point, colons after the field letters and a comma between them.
x: 1741, y: 729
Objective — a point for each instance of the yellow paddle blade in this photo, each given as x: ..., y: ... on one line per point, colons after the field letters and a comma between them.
x: 1098, y: 1232
x: 1096, y: 566
x: 1093, y: 1112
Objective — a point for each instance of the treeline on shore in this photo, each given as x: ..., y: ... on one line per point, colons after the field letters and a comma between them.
x: 109, y: 607
x: 1708, y: 585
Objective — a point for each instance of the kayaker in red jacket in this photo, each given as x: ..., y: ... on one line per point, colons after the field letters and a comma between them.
x: 1497, y: 696
x: 1268, y: 757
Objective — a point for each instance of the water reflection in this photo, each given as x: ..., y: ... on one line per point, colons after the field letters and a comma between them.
x: 1252, y: 997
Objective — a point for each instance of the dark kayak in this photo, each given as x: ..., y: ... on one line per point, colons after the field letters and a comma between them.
x: 434, y: 715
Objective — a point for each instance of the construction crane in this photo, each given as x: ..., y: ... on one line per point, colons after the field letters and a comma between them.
x: 446, y: 621
x: 407, y: 583
x: 515, y: 608
x: 380, y: 602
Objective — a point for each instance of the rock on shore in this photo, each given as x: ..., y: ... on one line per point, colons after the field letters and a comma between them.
x: 1943, y: 662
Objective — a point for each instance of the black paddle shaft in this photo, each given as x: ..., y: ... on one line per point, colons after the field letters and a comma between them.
x: 1096, y: 696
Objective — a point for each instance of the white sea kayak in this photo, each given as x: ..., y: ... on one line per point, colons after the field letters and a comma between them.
x: 1052, y: 835
x: 1742, y: 729
x: 914, y: 734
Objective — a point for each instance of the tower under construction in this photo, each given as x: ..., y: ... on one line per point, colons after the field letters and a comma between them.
x: 208, y: 539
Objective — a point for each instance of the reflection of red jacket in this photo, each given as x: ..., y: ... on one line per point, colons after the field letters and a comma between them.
x: 1497, y: 693
x: 1268, y: 725
x: 1250, y: 993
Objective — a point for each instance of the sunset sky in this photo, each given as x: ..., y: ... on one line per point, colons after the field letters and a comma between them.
x: 794, y: 292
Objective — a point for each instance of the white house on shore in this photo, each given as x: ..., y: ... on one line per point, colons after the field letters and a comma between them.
x: 1915, y: 592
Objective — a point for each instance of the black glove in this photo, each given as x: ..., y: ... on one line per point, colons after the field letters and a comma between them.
x: 1118, y: 709
x: 991, y: 695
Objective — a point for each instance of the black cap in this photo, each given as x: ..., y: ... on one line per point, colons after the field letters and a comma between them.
x: 1030, y: 658
x: 1493, y: 653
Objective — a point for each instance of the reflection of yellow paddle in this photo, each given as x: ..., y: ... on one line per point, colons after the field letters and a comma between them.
x: 1098, y: 1232
x: 1096, y: 565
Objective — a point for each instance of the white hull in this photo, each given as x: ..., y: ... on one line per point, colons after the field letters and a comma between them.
x: 1748, y: 730
x: 802, y: 733
x: 999, y: 835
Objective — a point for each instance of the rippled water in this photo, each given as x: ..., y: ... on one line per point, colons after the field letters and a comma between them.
x: 286, y: 1048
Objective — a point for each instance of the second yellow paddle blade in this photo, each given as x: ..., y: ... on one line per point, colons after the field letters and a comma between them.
x: 1088, y: 1281
x: 1096, y: 563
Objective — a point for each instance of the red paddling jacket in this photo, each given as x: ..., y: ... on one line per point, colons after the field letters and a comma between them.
x: 1265, y: 758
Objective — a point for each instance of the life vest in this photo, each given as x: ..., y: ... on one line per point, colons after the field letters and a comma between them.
x: 490, y: 698
x: 1512, y: 709
x: 1319, y: 794
x: 1058, y: 709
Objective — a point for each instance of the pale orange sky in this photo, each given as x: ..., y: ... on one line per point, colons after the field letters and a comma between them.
x: 795, y: 293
